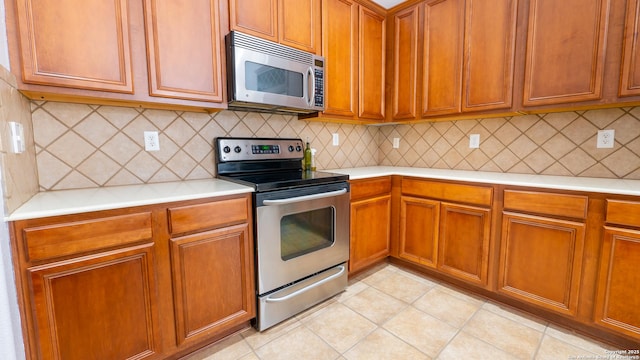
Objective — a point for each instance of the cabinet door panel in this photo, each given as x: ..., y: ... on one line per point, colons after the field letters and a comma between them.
x: 370, y: 229
x: 617, y: 301
x: 183, y: 45
x: 255, y: 17
x: 489, y: 52
x: 630, y: 75
x: 464, y: 242
x: 86, y: 306
x: 213, y: 282
x: 419, y: 219
x: 372, y: 65
x: 300, y: 24
x: 339, y: 47
x: 442, y: 57
x: 405, y: 63
x: 541, y: 261
x: 565, y: 51
x: 64, y: 43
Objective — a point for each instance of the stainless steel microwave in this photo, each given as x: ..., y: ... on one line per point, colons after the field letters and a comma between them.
x: 265, y: 76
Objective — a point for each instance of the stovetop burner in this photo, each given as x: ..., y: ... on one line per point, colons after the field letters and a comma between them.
x: 267, y: 164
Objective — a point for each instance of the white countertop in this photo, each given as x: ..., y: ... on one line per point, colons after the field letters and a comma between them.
x: 600, y: 185
x: 64, y: 202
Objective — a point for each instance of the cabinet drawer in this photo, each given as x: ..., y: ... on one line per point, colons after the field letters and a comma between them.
x: 208, y: 216
x: 52, y: 241
x: 477, y: 195
x: 623, y: 212
x: 546, y: 203
x: 366, y: 188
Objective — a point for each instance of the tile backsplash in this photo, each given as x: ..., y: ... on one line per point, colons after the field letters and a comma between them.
x: 550, y: 144
x: 81, y: 146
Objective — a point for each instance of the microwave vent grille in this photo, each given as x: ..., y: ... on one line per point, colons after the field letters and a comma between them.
x: 270, y: 48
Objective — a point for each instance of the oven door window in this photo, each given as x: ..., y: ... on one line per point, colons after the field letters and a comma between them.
x: 305, y: 232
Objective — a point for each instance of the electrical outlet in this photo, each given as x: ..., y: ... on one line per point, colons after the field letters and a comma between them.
x: 336, y: 139
x: 151, y: 141
x: 474, y: 141
x: 606, y: 139
x: 396, y: 143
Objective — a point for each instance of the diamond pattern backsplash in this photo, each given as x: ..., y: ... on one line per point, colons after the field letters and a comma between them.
x: 550, y: 144
x: 81, y: 146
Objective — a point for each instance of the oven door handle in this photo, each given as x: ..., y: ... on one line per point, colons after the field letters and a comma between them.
x: 307, y: 288
x: 304, y: 198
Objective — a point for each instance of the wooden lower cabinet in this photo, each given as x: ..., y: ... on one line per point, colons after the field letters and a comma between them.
x: 617, y: 304
x: 419, y: 219
x: 541, y: 248
x: 451, y: 237
x: 370, y: 222
x: 617, y: 300
x: 150, y: 282
x: 101, y: 306
x: 464, y: 242
x: 541, y: 261
x: 213, y: 281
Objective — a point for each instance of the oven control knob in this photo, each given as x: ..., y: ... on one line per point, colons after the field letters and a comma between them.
x: 298, y: 148
x: 290, y: 148
x: 237, y: 149
x: 226, y: 149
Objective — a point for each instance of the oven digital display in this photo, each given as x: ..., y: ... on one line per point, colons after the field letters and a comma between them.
x: 265, y: 149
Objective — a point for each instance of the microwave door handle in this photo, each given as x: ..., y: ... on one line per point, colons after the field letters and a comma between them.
x: 311, y: 88
x: 304, y: 198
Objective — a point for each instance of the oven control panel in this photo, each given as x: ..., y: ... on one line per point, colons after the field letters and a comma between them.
x: 248, y: 149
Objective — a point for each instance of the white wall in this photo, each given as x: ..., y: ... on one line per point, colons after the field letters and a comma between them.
x: 11, y: 344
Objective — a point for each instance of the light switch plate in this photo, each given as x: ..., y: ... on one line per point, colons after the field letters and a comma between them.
x: 474, y: 141
x: 336, y: 139
x: 17, y: 137
x: 396, y: 143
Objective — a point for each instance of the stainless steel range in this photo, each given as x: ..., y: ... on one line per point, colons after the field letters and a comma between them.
x: 301, y: 224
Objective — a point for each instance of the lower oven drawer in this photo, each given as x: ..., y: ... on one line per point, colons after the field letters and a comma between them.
x: 282, y: 304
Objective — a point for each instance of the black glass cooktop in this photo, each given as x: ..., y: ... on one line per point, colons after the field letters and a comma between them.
x: 285, y: 179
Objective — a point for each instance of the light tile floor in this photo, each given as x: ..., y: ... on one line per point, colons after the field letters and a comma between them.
x: 392, y: 313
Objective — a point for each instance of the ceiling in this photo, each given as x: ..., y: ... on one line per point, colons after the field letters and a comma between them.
x: 387, y: 4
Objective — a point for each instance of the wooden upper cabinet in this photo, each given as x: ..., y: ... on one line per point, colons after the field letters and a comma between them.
x: 565, y: 51
x: 184, y: 49
x: 299, y: 24
x: 371, y: 74
x: 76, y: 44
x: 489, y: 49
x: 339, y: 47
x: 255, y: 17
x: 406, y: 33
x: 294, y: 23
x: 443, y: 31
x: 630, y: 74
